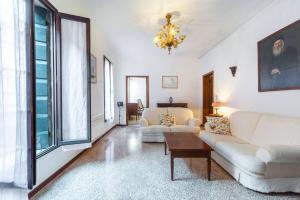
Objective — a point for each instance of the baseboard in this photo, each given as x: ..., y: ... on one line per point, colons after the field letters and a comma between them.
x: 121, y: 125
x: 35, y: 190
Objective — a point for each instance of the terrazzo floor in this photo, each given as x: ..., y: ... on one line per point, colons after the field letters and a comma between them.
x: 121, y: 167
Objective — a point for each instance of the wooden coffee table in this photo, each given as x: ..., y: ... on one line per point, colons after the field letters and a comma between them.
x: 186, y: 145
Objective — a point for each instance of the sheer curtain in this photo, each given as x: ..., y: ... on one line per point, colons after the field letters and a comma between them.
x: 74, y: 80
x: 109, y: 90
x: 13, y: 103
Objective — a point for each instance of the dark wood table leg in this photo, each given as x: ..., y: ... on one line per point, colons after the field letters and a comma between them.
x: 172, y: 167
x: 165, y: 148
x: 208, y: 168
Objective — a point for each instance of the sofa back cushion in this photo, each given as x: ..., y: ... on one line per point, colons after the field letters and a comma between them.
x: 272, y: 129
x: 182, y: 115
x: 243, y: 124
x: 152, y: 115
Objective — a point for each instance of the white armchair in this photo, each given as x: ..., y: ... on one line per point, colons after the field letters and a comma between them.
x: 144, y: 122
x: 194, y: 122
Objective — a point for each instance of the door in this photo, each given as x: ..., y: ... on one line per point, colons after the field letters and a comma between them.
x: 137, y: 96
x: 208, y: 94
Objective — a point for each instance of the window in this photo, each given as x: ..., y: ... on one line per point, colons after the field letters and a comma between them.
x: 62, y: 79
x: 44, y: 65
x: 75, y: 98
x: 108, y: 91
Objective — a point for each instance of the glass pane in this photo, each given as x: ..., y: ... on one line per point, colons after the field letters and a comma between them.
x: 137, y: 89
x: 74, y: 81
x: 44, y: 134
x: 109, y: 90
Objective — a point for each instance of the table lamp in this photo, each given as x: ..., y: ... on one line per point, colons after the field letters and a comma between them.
x: 217, y: 105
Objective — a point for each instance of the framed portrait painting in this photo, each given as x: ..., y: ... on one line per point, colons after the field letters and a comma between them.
x: 279, y: 60
x: 93, y: 69
x: 170, y: 82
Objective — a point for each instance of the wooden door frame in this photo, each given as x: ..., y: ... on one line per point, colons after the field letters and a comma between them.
x: 147, y: 92
x: 209, y: 73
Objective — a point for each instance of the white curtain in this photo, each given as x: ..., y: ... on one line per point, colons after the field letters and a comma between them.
x: 13, y: 103
x: 109, y: 91
x: 74, y: 80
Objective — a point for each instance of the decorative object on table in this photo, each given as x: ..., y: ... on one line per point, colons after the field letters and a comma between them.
x: 167, y: 119
x: 217, y: 105
x: 170, y: 99
x: 170, y: 82
x: 169, y: 35
x: 120, y: 106
x: 93, y: 69
x: 217, y: 125
x: 278, y: 60
x: 233, y: 70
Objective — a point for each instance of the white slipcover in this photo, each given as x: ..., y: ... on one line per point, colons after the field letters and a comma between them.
x: 152, y: 131
x: 262, y: 152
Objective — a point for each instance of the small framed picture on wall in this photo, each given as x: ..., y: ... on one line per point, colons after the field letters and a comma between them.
x: 93, y: 69
x: 170, y: 82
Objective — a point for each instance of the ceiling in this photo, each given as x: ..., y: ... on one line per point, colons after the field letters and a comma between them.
x: 130, y: 25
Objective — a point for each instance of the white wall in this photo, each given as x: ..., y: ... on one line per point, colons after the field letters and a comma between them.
x: 54, y: 160
x: 240, y: 49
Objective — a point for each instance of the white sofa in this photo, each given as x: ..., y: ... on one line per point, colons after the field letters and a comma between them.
x: 152, y: 131
x: 262, y: 152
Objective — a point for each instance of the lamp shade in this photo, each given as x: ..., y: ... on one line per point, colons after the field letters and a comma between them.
x: 217, y: 104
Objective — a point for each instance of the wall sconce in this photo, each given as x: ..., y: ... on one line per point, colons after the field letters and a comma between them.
x: 233, y: 70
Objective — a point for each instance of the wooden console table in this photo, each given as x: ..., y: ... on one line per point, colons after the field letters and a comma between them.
x: 163, y: 105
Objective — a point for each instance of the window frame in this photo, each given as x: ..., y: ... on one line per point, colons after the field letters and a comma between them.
x: 59, y: 136
x: 56, y: 82
x: 54, y: 45
x: 31, y: 89
x: 104, y: 78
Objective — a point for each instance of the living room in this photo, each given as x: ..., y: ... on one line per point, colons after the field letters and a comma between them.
x: 169, y: 99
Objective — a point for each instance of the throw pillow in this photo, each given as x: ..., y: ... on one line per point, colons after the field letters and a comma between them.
x: 218, y: 125
x: 167, y: 119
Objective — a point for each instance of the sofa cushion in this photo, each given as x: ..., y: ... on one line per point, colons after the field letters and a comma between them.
x: 243, y: 124
x: 242, y: 156
x: 154, y: 129
x: 152, y: 115
x: 182, y: 115
x: 272, y: 129
x: 185, y: 128
x: 218, y: 125
x: 167, y: 119
x: 211, y: 139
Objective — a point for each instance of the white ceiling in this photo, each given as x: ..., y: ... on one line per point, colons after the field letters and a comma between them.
x: 130, y: 25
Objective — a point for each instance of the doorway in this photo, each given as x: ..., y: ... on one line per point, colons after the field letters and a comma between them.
x: 208, y: 95
x: 137, y: 97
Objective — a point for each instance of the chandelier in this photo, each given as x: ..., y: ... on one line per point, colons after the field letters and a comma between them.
x: 169, y: 35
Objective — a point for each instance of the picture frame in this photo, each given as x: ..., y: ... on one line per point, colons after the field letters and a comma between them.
x: 279, y: 60
x: 93, y: 69
x: 170, y: 82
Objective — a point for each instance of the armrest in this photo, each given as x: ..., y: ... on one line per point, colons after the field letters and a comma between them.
x: 144, y: 122
x: 194, y: 122
x: 207, y: 127
x: 279, y: 154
